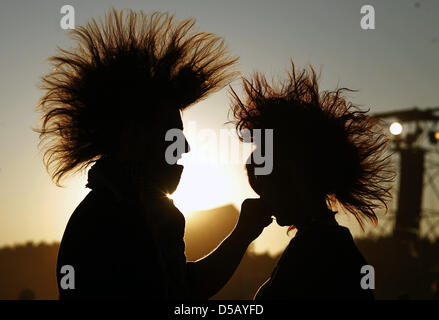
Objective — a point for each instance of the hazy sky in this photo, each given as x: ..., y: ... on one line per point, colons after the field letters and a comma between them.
x: 394, y: 66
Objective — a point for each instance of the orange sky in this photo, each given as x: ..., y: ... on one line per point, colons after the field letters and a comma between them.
x: 394, y: 66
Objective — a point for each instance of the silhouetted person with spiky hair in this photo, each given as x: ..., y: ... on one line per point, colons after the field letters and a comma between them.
x: 326, y: 151
x: 109, y: 103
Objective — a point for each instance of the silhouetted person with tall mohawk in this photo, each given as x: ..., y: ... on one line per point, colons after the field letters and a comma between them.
x: 110, y: 103
x: 326, y: 152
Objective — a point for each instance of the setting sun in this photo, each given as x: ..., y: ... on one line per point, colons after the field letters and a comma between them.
x: 201, y: 188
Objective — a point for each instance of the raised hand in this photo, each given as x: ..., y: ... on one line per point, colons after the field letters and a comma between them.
x: 255, y: 216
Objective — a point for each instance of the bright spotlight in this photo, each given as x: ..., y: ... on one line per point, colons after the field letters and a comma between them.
x: 434, y: 136
x: 395, y: 128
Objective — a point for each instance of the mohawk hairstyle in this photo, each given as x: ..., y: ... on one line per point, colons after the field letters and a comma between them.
x: 339, y: 146
x: 89, y: 93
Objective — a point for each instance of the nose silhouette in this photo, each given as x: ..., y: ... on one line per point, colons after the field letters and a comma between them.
x: 187, y: 147
x: 179, y: 152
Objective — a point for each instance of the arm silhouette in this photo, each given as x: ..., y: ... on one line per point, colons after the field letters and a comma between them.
x: 205, y: 277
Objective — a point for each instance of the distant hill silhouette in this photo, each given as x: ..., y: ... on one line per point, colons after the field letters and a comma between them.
x: 403, y: 271
x: 206, y: 229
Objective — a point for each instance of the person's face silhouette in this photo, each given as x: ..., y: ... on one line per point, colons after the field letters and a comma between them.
x: 147, y: 145
x: 284, y: 190
x: 168, y: 174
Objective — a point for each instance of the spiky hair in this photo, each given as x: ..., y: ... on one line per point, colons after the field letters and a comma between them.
x: 340, y: 146
x: 127, y: 65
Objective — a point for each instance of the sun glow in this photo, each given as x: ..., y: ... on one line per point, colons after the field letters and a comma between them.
x: 201, y: 188
x: 212, y: 170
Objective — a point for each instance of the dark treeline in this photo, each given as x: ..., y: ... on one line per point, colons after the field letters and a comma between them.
x: 403, y: 270
x: 28, y: 271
